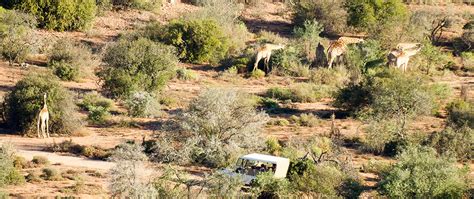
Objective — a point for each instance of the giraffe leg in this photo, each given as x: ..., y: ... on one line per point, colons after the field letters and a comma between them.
x: 257, y: 59
x: 38, y: 127
x: 331, y: 59
x: 43, y: 129
x: 267, y: 61
x: 47, y: 127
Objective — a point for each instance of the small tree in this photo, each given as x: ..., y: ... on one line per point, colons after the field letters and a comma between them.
x: 129, y: 178
x: 308, y: 38
x: 140, y: 65
x: 16, y: 38
x: 420, y: 173
x: 68, y: 59
x: 26, y: 99
x: 266, y: 186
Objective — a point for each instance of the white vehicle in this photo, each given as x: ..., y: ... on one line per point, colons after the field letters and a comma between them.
x: 249, y: 166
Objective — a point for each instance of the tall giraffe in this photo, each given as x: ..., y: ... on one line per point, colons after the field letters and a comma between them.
x: 339, y: 47
x: 400, y: 57
x: 264, y: 52
x: 43, y: 119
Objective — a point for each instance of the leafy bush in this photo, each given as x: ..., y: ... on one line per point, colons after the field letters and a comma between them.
x: 319, y: 181
x: 300, y: 92
x: 369, y: 14
x: 335, y: 78
x: 461, y: 113
x: 378, y: 135
x: 16, y: 35
x: 457, y: 141
x: 227, y: 15
x: 186, y: 74
x: 222, y: 185
x: 365, y: 56
x: 93, y: 99
x: 142, y: 104
x: 376, y: 166
x: 273, y: 146
x: 68, y: 59
x: 129, y: 177
x: 26, y: 99
x: 51, y: 174
x: 140, y: 4
x: 93, y: 152
x: 468, y: 61
x: 419, y: 172
x: 60, y: 15
x: 139, y: 65
x: 197, y: 41
x: 266, y: 186
x: 40, y: 160
x: 288, y: 61
x: 215, y: 128
x: 98, y: 115
x: 308, y: 38
x: 328, y: 13
x: 8, y: 173
x: 257, y: 74
x: 304, y: 119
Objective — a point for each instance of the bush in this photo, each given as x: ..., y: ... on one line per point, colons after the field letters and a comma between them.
x: 257, y: 74
x: 304, y: 119
x: 93, y: 99
x: 328, y: 13
x: 220, y: 123
x: 186, y: 74
x: 378, y: 135
x: 468, y: 61
x: 369, y: 14
x: 419, y: 172
x: 140, y: 4
x: 288, y: 61
x: 142, y: 104
x: 51, y: 174
x: 300, y: 92
x: 139, y: 65
x: 68, y: 59
x: 266, y: 186
x: 335, y: 78
x: 26, y: 99
x: 377, y: 167
x: 457, y: 141
x: 319, y: 181
x: 40, y: 160
x: 8, y: 173
x: 98, y: 115
x: 308, y: 38
x: 60, y: 15
x: 197, y: 41
x: 273, y: 146
x: 222, y: 186
x: 227, y: 15
x: 16, y: 35
x: 461, y: 113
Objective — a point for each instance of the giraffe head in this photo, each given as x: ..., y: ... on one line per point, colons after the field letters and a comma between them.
x: 45, y: 96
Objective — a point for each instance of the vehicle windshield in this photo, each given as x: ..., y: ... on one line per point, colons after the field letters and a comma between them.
x: 253, y: 167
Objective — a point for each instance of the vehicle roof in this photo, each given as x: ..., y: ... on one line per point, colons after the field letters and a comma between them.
x: 265, y: 158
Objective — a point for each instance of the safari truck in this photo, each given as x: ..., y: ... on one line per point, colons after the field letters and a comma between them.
x: 249, y: 166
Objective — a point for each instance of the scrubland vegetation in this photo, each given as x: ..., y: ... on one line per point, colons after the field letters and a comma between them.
x: 186, y: 93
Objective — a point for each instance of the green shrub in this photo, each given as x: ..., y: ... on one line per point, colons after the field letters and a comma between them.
x: 40, y: 160
x: 139, y: 65
x: 33, y: 177
x: 227, y: 15
x: 319, y: 181
x: 419, y: 172
x: 337, y: 77
x: 369, y: 14
x: 20, y: 162
x: 64, y: 70
x: 329, y: 13
x: 280, y: 122
x: 142, y: 104
x: 8, y: 173
x: 140, y: 4
x: 26, y: 99
x: 257, y: 74
x: 93, y: 99
x: 60, y: 15
x: 197, y: 41
x: 308, y: 38
x: 68, y: 59
x: 186, y: 74
x: 376, y: 166
x: 273, y: 146
x: 461, y: 113
x: 266, y: 186
x: 457, y: 141
x: 288, y: 61
x: 468, y: 61
x: 300, y: 92
x: 16, y: 35
x: 51, y: 174
x: 304, y: 119
x: 98, y: 115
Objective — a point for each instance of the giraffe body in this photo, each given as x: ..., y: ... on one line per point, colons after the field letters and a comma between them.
x: 265, y: 52
x: 401, y: 56
x: 339, y: 47
x: 43, y: 120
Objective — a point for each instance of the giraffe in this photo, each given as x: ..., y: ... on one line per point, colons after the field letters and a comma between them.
x: 264, y: 52
x: 339, y: 47
x: 43, y: 119
x: 400, y: 57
